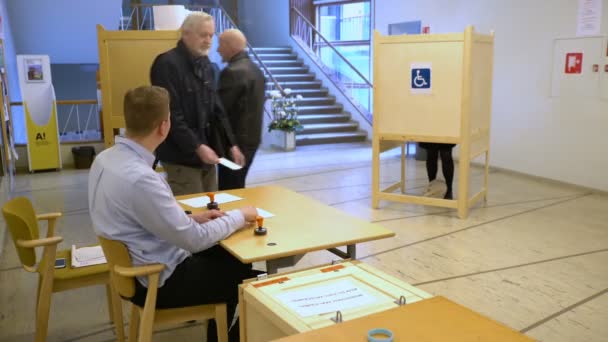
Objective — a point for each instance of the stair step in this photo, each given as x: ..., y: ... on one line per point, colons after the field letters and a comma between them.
x: 301, y: 85
x: 329, y: 138
x: 280, y: 49
x: 329, y: 127
x: 288, y: 70
x: 294, y: 77
x: 324, y: 121
x: 316, y: 101
x: 335, y: 108
x: 323, y: 118
x: 276, y: 56
x: 321, y: 92
x: 292, y: 63
x: 308, y: 93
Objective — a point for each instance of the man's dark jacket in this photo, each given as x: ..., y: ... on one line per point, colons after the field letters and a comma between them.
x: 197, y: 116
x: 242, y: 91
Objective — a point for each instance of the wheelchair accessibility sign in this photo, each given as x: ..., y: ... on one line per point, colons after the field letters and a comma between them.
x: 420, y: 78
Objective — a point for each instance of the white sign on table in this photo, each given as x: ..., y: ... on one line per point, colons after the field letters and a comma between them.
x: 264, y: 213
x: 341, y: 296
x: 202, y: 201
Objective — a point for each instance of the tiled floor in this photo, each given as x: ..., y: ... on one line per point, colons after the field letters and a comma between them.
x: 535, y: 257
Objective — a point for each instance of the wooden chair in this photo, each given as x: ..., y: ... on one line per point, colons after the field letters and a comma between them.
x: 22, y: 223
x: 146, y: 318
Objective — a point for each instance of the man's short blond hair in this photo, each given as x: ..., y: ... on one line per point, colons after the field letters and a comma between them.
x: 144, y: 109
x: 193, y: 19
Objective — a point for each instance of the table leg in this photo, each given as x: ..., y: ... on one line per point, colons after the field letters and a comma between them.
x: 351, y: 252
x: 272, y: 266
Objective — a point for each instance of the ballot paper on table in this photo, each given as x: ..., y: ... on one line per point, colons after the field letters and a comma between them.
x: 87, y: 256
x: 200, y: 202
x: 264, y: 213
x: 229, y: 164
x: 322, y: 299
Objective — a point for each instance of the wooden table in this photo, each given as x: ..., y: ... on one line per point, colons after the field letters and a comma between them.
x: 300, y: 225
x: 431, y: 320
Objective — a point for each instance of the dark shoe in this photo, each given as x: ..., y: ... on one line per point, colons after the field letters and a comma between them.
x: 448, y: 195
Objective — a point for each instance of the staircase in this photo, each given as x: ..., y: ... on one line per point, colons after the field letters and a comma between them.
x: 324, y: 120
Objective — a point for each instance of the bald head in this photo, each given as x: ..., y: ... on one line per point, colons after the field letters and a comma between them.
x: 232, y: 42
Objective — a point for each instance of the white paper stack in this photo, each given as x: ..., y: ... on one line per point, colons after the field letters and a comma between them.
x: 200, y: 202
x: 264, y: 213
x: 87, y: 256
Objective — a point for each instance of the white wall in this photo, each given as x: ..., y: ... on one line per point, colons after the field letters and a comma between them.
x: 63, y: 29
x: 10, y: 60
x: 265, y: 22
x: 556, y: 138
x: 10, y: 63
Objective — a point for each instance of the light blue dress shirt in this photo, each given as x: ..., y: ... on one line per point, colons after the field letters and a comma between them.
x: 132, y: 203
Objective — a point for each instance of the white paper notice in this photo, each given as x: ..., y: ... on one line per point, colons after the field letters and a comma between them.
x: 323, y: 299
x: 264, y: 213
x: 589, y: 17
x: 200, y: 202
x: 229, y: 164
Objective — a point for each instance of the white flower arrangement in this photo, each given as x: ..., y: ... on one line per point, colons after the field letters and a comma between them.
x: 284, y: 111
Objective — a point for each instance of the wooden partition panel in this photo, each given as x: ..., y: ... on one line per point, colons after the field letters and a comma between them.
x: 125, y: 58
x: 424, y: 116
x: 481, y: 92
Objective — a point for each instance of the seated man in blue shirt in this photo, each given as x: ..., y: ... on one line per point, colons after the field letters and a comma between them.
x: 132, y: 203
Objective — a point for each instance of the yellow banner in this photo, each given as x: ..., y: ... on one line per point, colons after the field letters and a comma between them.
x: 43, y: 142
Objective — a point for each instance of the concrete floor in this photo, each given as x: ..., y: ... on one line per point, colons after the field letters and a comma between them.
x: 535, y: 257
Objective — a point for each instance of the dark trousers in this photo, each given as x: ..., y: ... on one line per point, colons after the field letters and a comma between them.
x: 434, y: 151
x: 207, y: 277
x: 235, y: 179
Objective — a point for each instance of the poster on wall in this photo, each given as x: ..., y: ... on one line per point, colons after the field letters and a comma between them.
x: 33, y: 70
x: 589, y: 17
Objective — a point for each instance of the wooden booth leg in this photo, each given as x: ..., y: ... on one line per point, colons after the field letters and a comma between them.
x: 403, y: 166
x: 463, y: 188
x: 375, y: 173
x: 486, y: 177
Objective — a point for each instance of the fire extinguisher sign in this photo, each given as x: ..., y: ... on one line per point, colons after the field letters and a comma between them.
x: 574, y: 63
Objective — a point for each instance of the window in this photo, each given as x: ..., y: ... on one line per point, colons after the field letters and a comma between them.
x: 347, y: 26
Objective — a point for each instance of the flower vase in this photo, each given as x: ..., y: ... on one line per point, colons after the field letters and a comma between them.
x: 283, y: 140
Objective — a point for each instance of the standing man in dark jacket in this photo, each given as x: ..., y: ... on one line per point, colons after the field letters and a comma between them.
x: 242, y: 91
x: 199, y: 127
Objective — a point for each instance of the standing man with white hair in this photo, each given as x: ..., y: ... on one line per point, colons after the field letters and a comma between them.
x: 242, y: 91
x: 200, y: 129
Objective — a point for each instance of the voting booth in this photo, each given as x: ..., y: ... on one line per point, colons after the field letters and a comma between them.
x: 125, y: 58
x: 438, y: 89
x: 292, y: 303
